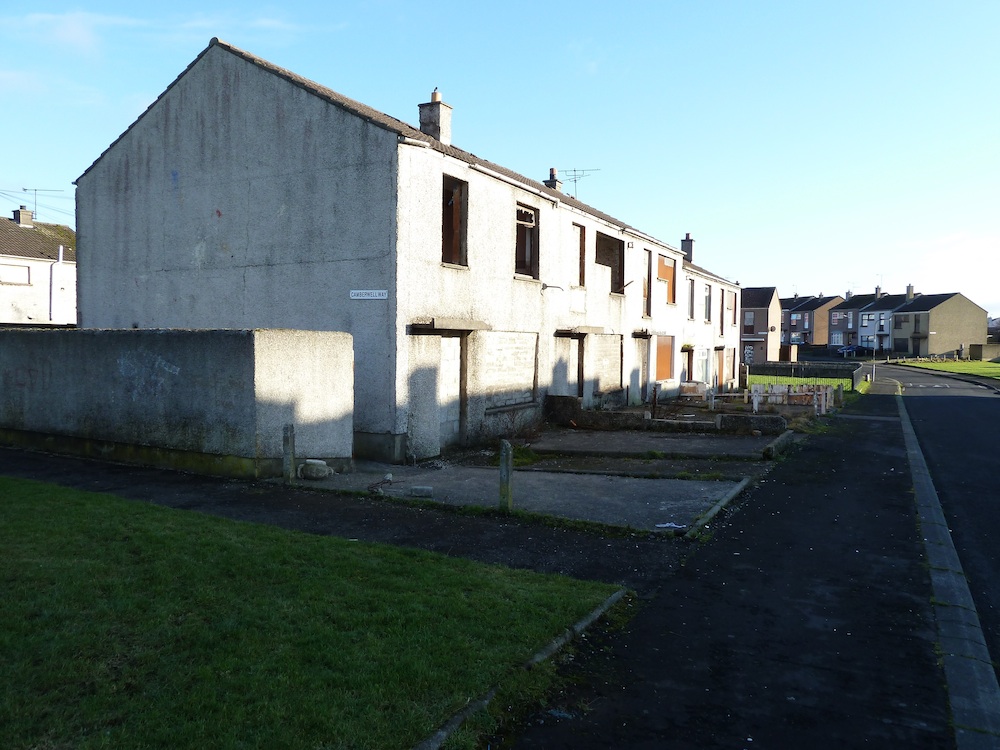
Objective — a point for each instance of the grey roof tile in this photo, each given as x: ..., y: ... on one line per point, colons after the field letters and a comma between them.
x: 40, y: 241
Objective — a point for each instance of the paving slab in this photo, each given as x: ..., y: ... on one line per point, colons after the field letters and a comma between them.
x: 639, y: 442
x: 642, y: 503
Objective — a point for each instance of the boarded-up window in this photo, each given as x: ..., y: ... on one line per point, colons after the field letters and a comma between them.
x: 526, y: 250
x: 666, y: 270
x: 454, y: 207
x: 604, y: 361
x: 664, y: 357
x: 505, y: 374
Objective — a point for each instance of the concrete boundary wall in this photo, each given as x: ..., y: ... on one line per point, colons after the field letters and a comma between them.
x: 209, y: 401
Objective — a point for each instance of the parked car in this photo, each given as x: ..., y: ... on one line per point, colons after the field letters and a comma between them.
x: 851, y: 350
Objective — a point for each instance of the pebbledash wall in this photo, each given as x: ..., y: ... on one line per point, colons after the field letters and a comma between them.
x: 213, y: 402
x: 249, y: 197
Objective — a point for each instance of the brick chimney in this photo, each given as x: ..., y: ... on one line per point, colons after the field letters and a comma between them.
x: 553, y: 182
x: 909, y: 292
x: 22, y: 216
x: 687, y: 247
x: 435, y: 119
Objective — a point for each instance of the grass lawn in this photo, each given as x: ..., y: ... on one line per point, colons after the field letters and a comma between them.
x: 781, y: 380
x: 981, y: 369
x: 125, y: 625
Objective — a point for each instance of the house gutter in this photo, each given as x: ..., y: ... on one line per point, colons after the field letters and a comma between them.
x: 515, y: 183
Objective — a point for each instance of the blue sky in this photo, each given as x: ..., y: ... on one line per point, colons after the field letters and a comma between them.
x: 819, y: 147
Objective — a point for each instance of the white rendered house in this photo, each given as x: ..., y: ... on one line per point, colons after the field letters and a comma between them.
x: 249, y: 197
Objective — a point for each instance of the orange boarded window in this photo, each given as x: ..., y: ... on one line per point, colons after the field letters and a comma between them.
x: 664, y: 357
x: 666, y: 270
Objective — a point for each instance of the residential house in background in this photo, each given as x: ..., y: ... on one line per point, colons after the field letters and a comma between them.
x: 937, y: 325
x: 806, y: 320
x: 874, y: 321
x: 903, y: 323
x: 760, y: 334
x: 37, y: 272
x: 247, y: 196
x: 845, y: 316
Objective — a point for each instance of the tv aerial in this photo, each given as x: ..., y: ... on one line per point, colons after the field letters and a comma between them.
x: 575, y: 175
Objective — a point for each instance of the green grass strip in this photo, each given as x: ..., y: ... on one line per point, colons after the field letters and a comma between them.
x: 960, y: 367
x: 786, y: 380
x: 130, y: 625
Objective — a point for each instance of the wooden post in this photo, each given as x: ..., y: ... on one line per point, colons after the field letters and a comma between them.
x: 506, y: 474
x: 288, y: 452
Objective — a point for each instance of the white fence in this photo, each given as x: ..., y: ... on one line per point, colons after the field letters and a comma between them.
x: 821, y: 397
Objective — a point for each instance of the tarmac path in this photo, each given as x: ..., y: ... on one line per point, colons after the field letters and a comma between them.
x: 805, y: 622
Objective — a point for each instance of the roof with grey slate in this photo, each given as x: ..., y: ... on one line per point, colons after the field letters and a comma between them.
x: 758, y: 296
x: 40, y: 241
x: 926, y: 302
x: 805, y: 304
x: 856, y: 302
x: 388, y: 122
x: 886, y: 302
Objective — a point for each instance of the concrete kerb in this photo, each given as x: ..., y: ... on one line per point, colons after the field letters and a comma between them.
x: 970, y: 676
x: 437, y: 739
x: 779, y: 445
x: 702, y: 521
x: 988, y: 383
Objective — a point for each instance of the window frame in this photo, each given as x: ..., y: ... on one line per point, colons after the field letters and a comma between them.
x: 526, y: 243
x: 454, y: 239
x: 610, y: 248
x: 580, y: 232
x: 647, y: 284
x: 666, y: 271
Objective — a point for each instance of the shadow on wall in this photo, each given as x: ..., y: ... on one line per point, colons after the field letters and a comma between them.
x: 442, y: 414
x: 210, y: 402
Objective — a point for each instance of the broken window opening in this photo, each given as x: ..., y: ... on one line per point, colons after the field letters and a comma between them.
x: 611, y: 253
x: 454, y: 209
x: 580, y: 232
x: 647, y: 285
x: 526, y: 250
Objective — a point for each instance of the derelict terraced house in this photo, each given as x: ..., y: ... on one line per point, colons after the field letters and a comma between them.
x: 249, y: 197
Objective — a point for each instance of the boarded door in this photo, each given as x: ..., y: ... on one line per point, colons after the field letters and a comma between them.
x: 450, y: 391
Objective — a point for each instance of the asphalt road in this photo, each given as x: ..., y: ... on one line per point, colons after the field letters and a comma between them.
x: 958, y: 426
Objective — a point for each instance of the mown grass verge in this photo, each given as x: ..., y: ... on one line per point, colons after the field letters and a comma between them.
x: 131, y: 625
x: 959, y: 367
x: 788, y: 380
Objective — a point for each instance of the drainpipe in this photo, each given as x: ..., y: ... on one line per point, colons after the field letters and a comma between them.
x: 52, y: 284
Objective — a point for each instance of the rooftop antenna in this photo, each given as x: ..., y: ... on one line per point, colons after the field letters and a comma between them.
x: 36, y: 191
x: 575, y: 175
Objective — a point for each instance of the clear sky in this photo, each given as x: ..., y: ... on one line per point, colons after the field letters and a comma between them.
x: 814, y: 146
